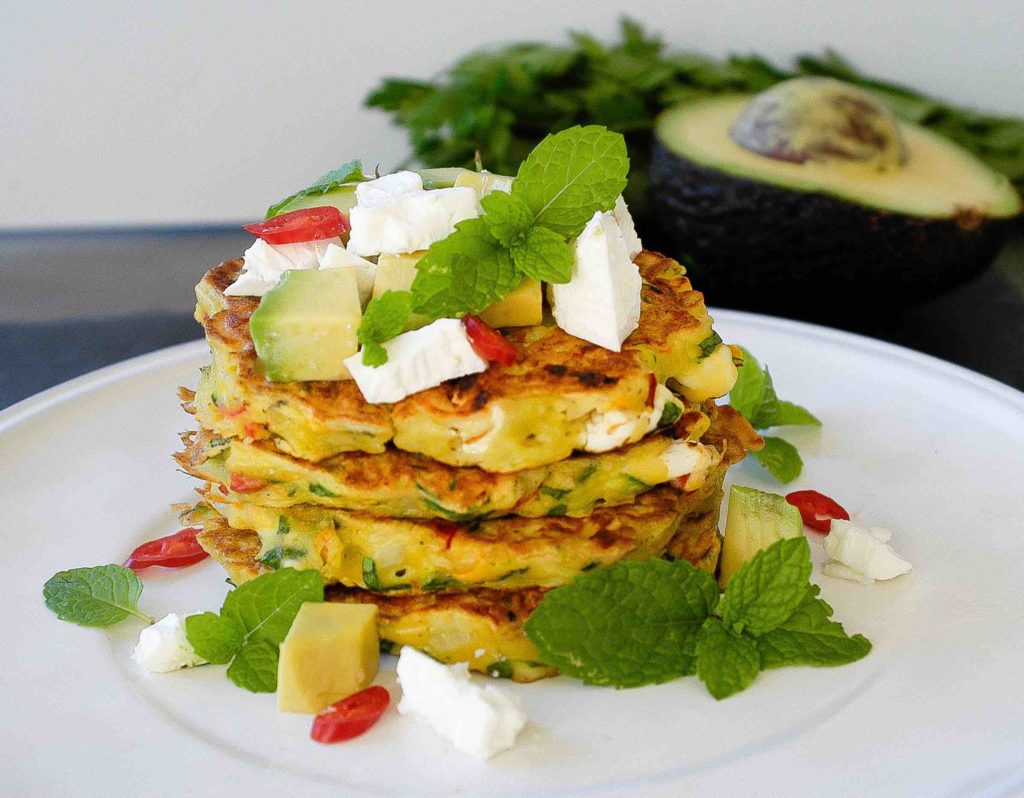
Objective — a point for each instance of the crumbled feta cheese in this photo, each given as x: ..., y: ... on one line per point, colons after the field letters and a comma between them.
x: 337, y: 257
x: 625, y: 221
x: 601, y: 301
x: 610, y: 430
x: 477, y: 720
x: 163, y: 646
x: 417, y: 360
x: 862, y: 551
x: 409, y: 221
x: 383, y: 190
x: 265, y: 264
x: 685, y: 457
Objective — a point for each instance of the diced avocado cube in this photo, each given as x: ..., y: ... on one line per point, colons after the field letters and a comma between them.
x: 754, y: 522
x: 332, y: 651
x: 522, y: 308
x: 306, y: 326
x: 396, y: 273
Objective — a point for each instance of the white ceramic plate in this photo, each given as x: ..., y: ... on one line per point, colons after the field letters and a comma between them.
x: 931, y: 450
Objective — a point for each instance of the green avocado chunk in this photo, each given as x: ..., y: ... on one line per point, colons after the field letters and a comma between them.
x: 306, y: 325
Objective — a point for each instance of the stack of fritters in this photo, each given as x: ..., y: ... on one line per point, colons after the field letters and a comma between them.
x: 455, y: 509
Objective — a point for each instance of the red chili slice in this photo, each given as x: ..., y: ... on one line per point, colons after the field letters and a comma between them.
x: 172, y: 551
x: 240, y: 483
x: 233, y: 410
x: 490, y: 344
x: 652, y: 388
x: 817, y: 509
x: 351, y: 716
x: 307, y: 224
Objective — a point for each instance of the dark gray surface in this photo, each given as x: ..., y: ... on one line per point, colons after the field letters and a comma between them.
x: 73, y: 302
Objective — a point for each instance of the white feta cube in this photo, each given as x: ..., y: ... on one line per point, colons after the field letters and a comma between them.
x: 384, y: 189
x: 265, y: 264
x: 625, y: 221
x: 163, y: 647
x: 478, y: 720
x: 417, y: 360
x: 864, y: 551
x: 601, y: 301
x: 337, y: 257
x: 410, y: 221
x: 683, y: 458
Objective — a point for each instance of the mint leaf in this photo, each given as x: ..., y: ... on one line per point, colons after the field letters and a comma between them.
x: 463, y: 273
x: 100, y: 596
x: 214, y: 638
x: 726, y: 662
x: 384, y: 318
x: 253, y: 620
x: 507, y: 217
x: 349, y: 172
x: 628, y: 625
x: 809, y: 637
x: 768, y: 588
x: 255, y: 667
x: 572, y: 174
x: 753, y: 395
x: 788, y: 414
x: 544, y: 255
x: 781, y: 458
x: 265, y: 607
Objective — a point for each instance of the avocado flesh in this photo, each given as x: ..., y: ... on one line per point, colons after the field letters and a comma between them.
x: 765, y: 233
x: 306, y: 326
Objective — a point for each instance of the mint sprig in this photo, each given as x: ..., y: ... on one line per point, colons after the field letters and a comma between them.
x: 754, y: 396
x: 385, y: 317
x: 252, y: 623
x: 566, y: 179
x: 628, y: 625
x: 645, y: 623
x: 99, y: 596
x: 348, y: 172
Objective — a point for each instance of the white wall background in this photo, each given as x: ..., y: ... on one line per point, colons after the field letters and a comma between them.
x: 146, y: 113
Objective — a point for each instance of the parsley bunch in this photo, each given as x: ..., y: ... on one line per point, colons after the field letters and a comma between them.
x: 565, y: 179
x: 501, y: 102
x: 647, y: 623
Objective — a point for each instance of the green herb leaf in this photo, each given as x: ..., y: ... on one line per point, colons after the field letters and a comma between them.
x: 754, y: 396
x: 214, y: 638
x: 781, y: 458
x: 463, y: 273
x: 572, y: 174
x: 272, y: 558
x: 726, y: 661
x: 370, y: 578
x: 253, y: 620
x: 508, y: 218
x: 100, y: 596
x: 544, y: 255
x: 768, y: 588
x: 788, y: 414
x: 384, y: 318
x: 349, y: 172
x: 628, y: 625
x: 670, y: 415
x: 265, y: 607
x: 810, y: 637
x: 255, y: 667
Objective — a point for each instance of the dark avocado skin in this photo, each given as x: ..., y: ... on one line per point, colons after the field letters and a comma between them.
x: 764, y: 247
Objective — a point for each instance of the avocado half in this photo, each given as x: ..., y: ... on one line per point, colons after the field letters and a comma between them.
x: 815, y: 209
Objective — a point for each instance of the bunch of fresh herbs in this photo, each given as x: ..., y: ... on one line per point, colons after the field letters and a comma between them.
x: 502, y: 102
